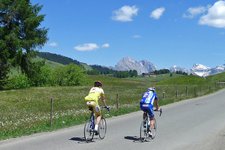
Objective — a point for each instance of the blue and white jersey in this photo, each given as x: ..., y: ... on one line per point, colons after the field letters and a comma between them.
x: 149, y: 97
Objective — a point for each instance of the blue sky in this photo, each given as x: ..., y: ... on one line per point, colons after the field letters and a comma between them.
x: 164, y: 32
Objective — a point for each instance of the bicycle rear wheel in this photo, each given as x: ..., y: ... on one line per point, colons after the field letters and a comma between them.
x: 143, y: 131
x: 88, y: 131
x: 102, y: 128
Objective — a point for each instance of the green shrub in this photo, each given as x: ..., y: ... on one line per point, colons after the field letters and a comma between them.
x: 18, y: 81
x: 45, y: 76
x: 70, y: 75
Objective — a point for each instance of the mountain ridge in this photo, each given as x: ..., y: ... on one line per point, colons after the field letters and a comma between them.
x: 200, y: 70
x: 128, y: 63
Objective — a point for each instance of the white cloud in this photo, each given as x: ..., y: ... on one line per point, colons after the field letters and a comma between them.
x: 136, y: 36
x: 125, y: 13
x: 157, y: 13
x: 215, y: 16
x: 194, y: 11
x: 86, y: 47
x: 53, y: 44
x: 106, y: 45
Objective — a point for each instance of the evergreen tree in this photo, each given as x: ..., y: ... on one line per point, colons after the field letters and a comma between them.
x: 3, y: 68
x: 20, y: 34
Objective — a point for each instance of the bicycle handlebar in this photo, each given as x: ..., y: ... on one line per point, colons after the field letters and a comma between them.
x: 160, y: 111
x: 106, y: 107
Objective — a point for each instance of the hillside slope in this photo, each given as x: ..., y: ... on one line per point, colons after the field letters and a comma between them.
x: 57, y: 58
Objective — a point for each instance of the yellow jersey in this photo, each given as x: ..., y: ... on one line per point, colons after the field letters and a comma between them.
x: 95, y: 94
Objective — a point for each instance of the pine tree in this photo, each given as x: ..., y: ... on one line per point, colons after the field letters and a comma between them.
x: 20, y: 34
x: 3, y: 68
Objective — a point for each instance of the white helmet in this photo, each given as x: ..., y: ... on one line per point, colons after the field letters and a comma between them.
x: 151, y: 89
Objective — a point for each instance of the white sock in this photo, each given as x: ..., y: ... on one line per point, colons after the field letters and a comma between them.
x: 96, y: 127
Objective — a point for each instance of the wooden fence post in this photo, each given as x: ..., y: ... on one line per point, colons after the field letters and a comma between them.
x: 176, y: 93
x: 117, y: 101
x: 51, y: 113
x: 186, y: 91
x: 195, y: 92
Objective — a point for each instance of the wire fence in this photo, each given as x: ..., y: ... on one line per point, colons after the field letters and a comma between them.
x: 34, y: 110
x: 187, y: 91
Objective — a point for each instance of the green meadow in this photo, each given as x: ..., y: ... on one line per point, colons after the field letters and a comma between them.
x: 27, y: 111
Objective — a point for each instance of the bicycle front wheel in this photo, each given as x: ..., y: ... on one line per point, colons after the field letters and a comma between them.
x: 88, y: 132
x: 102, y: 128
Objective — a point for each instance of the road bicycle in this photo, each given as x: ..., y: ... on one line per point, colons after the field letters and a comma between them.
x: 89, y: 131
x: 145, y: 128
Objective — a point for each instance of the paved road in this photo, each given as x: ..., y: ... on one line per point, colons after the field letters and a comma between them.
x: 197, y: 124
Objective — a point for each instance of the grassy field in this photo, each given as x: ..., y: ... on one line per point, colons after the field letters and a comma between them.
x: 27, y: 111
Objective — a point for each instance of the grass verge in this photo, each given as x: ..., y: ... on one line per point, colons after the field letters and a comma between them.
x: 27, y: 111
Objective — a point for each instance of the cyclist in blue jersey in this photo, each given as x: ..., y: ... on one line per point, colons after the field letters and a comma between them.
x: 149, y: 99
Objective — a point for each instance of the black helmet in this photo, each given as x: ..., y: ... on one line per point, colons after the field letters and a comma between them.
x: 97, y: 84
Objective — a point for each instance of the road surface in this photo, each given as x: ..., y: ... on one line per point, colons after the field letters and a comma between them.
x: 196, y: 124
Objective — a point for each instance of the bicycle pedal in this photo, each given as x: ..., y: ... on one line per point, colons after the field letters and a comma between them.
x: 96, y: 132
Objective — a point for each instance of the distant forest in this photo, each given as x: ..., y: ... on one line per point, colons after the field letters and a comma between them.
x: 57, y: 58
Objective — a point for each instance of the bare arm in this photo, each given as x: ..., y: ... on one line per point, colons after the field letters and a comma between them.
x: 103, y: 99
x: 157, y: 104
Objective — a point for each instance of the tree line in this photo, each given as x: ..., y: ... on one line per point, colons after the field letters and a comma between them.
x: 99, y: 70
x: 57, y: 58
x: 166, y: 71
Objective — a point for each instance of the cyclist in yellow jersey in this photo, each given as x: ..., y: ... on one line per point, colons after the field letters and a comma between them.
x: 96, y: 93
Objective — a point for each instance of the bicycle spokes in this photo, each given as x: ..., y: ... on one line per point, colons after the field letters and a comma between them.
x: 146, y: 132
x: 88, y: 131
x: 89, y: 127
x: 102, y: 128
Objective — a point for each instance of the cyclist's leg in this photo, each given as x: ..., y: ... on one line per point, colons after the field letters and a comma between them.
x: 144, y: 109
x: 151, y: 116
x: 98, y: 115
x: 96, y: 109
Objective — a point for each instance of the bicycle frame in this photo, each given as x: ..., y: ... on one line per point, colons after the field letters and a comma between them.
x: 145, y: 127
x: 92, y: 120
x: 90, y: 126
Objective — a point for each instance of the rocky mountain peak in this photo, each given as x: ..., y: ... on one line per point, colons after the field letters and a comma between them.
x: 128, y: 63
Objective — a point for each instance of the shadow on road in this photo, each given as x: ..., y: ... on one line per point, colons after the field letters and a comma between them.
x: 80, y: 140
x: 132, y: 138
